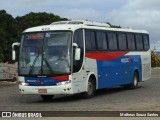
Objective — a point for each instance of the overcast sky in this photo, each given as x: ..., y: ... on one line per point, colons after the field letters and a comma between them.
x: 137, y: 14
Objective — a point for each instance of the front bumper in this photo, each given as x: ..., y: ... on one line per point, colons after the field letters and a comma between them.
x: 51, y: 90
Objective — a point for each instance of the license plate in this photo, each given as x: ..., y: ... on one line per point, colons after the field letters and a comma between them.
x: 42, y: 90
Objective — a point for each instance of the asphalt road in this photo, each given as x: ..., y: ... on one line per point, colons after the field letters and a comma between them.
x: 145, y: 98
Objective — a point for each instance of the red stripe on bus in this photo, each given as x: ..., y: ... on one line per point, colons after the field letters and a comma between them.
x: 105, y: 55
x: 66, y: 77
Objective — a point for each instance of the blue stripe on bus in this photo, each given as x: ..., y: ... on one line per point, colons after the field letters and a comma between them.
x: 119, y: 71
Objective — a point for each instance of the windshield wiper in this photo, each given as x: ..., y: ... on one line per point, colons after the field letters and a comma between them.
x: 47, y: 63
x: 32, y: 66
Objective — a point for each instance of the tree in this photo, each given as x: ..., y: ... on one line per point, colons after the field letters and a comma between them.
x: 8, y: 35
x: 155, y: 59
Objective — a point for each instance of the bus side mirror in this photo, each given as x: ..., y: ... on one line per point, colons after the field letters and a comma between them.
x: 13, y: 50
x: 77, y: 51
x: 13, y: 55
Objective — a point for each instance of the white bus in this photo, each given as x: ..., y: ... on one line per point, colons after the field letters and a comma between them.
x: 71, y: 57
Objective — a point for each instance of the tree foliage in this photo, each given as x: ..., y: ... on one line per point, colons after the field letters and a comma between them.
x: 155, y: 59
x: 8, y: 35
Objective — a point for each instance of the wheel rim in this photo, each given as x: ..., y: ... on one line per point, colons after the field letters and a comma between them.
x: 90, y: 88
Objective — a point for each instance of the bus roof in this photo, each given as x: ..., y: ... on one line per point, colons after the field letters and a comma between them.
x: 73, y: 25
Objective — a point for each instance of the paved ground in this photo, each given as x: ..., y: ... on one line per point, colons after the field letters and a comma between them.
x: 146, y: 97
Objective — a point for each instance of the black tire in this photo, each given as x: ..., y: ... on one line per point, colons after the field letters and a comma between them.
x: 47, y: 98
x: 90, y: 89
x: 134, y: 84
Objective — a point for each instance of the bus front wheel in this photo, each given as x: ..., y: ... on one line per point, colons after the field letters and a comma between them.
x: 90, y: 89
x: 47, y: 97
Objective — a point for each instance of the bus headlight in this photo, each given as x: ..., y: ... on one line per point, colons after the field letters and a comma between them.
x: 64, y: 83
x: 24, y: 84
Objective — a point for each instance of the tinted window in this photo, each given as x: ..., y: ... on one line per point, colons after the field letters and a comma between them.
x: 146, y: 42
x: 122, y: 43
x: 139, y: 42
x: 101, y: 41
x: 112, y: 41
x: 131, y: 41
x: 90, y: 40
x: 78, y: 38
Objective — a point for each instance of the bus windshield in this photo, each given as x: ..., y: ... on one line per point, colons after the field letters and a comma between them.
x: 45, y: 53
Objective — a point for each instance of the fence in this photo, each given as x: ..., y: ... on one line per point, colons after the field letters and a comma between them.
x: 8, y: 71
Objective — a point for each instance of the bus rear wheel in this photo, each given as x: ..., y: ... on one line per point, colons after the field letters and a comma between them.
x: 47, y: 98
x: 90, y: 89
x: 134, y: 84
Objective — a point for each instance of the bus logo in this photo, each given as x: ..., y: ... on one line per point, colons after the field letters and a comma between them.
x: 126, y: 60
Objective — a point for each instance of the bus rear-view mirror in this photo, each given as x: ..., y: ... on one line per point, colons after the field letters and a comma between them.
x: 77, y: 53
x: 13, y: 50
x: 13, y: 55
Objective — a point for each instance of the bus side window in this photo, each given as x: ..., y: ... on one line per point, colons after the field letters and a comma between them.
x: 90, y: 40
x: 78, y: 38
x: 139, y: 42
x: 131, y: 41
x: 101, y: 41
x: 122, y: 41
x: 146, y: 42
x: 112, y: 41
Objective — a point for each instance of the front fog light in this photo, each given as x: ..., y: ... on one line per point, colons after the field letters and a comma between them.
x: 63, y: 83
x: 24, y: 84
